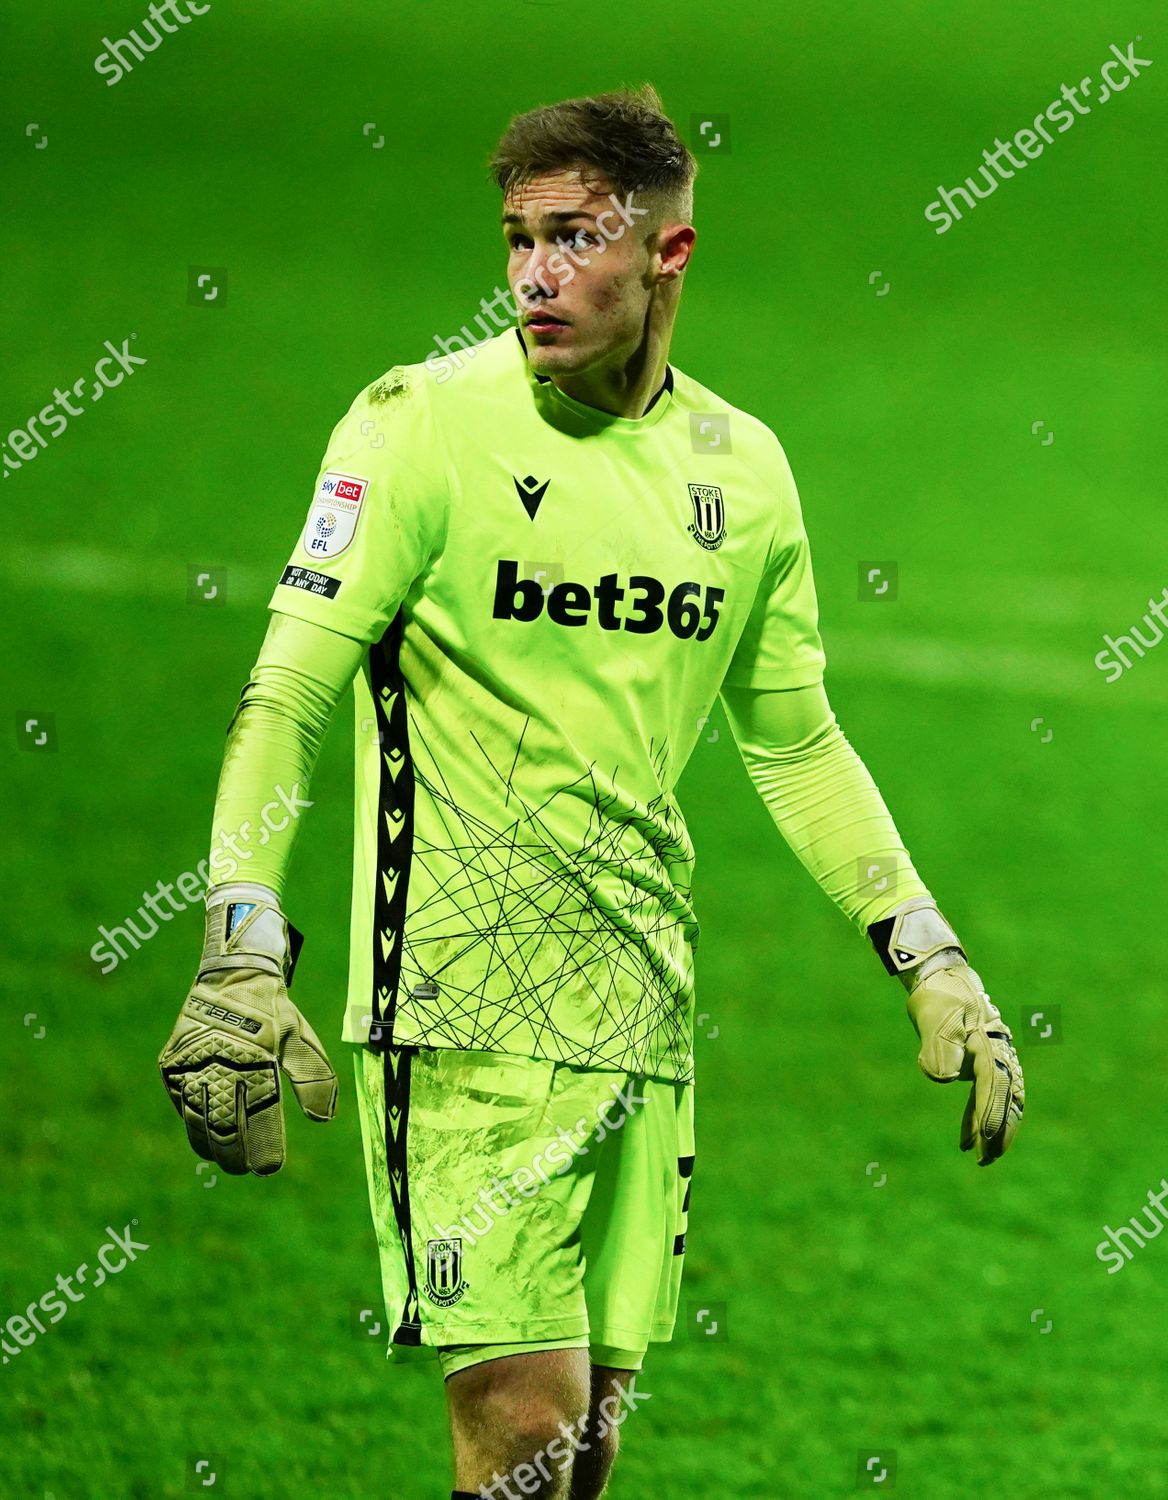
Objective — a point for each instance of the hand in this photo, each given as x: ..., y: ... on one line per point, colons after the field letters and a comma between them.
x: 963, y: 1036
x: 236, y: 1032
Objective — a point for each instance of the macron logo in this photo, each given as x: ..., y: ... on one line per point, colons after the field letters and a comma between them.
x: 531, y: 492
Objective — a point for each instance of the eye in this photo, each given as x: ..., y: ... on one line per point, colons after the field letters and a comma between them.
x: 518, y: 242
x: 576, y: 241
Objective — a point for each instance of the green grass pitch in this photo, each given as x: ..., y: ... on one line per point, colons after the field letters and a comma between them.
x: 980, y: 407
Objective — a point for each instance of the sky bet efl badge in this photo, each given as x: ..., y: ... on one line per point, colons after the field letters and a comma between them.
x: 332, y: 520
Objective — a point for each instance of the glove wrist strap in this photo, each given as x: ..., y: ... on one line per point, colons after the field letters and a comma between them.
x: 247, y: 929
x: 915, y: 941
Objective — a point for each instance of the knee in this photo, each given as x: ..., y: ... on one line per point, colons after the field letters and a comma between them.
x: 540, y: 1424
x: 524, y: 1420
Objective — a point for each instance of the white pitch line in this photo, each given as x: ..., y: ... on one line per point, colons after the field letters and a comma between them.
x: 910, y: 656
x: 1038, y: 676
x: 134, y: 575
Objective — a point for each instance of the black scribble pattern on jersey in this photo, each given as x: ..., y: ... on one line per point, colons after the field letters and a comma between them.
x: 534, y: 934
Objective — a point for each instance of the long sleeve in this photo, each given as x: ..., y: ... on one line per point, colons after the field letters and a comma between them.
x: 272, y: 747
x: 376, y: 517
x: 822, y: 799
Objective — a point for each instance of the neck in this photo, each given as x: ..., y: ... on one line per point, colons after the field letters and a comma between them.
x: 626, y: 385
x: 624, y: 389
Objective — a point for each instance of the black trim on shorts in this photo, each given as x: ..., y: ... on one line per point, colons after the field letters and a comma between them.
x: 685, y: 1166
x: 395, y: 808
x: 397, y: 1062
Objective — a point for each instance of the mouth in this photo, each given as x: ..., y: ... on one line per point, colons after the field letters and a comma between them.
x: 540, y: 323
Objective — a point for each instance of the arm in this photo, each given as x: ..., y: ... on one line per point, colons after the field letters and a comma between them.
x: 239, y: 1028
x: 822, y: 799
x: 272, y: 747
x: 375, y: 522
x: 828, y: 809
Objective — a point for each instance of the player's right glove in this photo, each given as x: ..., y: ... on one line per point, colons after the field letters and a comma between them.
x: 962, y: 1032
x: 237, y: 1030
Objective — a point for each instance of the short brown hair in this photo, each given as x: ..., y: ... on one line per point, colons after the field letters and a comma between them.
x: 624, y: 135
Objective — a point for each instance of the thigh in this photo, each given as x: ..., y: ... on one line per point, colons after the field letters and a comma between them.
x: 512, y: 1385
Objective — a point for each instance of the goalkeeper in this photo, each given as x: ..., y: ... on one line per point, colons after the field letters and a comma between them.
x: 538, y: 572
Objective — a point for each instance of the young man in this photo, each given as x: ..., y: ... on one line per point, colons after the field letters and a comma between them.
x: 540, y: 560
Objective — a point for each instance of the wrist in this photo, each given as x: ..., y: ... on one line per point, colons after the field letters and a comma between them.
x: 946, y: 958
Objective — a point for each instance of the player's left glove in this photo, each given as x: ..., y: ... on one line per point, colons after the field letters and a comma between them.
x: 237, y: 1032
x: 963, y: 1036
x: 962, y: 1032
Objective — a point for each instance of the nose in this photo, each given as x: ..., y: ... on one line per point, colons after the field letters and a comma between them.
x: 540, y: 280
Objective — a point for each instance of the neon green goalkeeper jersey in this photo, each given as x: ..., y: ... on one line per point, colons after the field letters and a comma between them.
x: 552, y: 598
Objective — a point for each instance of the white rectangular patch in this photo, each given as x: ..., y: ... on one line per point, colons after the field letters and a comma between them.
x: 333, y: 515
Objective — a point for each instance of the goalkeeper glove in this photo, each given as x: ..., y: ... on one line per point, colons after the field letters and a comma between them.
x: 237, y: 1030
x: 962, y: 1032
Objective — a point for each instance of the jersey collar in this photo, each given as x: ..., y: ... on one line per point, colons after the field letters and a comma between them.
x: 549, y: 398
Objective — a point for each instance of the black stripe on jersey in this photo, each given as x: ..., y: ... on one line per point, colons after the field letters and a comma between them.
x: 395, y: 828
x: 397, y: 1116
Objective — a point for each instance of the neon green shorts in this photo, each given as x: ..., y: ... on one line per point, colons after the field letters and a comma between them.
x: 524, y: 1202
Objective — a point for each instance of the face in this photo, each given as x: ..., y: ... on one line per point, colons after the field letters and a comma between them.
x: 582, y: 277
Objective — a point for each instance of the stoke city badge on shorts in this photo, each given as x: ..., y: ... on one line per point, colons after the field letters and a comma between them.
x: 445, y: 1283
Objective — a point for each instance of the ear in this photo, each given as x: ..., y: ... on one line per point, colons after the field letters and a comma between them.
x: 675, y: 245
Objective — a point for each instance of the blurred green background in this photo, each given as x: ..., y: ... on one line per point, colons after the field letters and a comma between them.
x: 958, y: 1319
